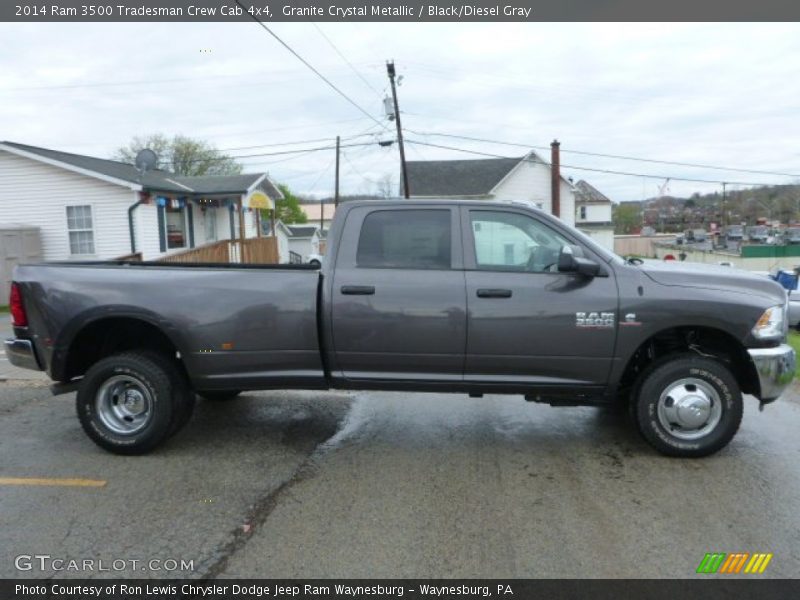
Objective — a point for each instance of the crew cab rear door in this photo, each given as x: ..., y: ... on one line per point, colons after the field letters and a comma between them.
x: 526, y: 322
x: 398, y: 304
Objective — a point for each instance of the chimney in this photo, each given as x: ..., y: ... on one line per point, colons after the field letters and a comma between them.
x: 555, y: 183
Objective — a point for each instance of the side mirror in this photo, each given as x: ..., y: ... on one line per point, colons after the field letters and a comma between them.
x: 571, y: 260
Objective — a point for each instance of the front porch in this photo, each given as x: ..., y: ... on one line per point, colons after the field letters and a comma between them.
x: 263, y: 250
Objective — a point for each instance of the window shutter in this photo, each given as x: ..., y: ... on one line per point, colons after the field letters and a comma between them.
x: 162, y: 229
x: 190, y: 219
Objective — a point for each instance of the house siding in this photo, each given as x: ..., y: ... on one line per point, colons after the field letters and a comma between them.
x: 595, y: 213
x: 530, y: 180
x: 146, y: 223
x: 37, y: 194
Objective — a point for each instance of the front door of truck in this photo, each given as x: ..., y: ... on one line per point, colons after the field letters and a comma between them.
x: 527, y: 323
x: 399, y: 311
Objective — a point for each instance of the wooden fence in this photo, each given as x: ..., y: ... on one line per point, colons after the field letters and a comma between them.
x: 262, y: 251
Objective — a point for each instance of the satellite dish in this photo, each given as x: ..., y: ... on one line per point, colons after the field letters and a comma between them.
x: 146, y: 160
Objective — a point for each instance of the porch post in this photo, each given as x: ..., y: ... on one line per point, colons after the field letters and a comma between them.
x: 241, y: 219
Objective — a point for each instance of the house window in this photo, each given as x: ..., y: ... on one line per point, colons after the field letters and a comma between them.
x: 583, y: 213
x: 81, y: 231
x: 176, y: 228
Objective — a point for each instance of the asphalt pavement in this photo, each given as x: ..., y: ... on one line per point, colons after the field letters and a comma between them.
x: 312, y: 484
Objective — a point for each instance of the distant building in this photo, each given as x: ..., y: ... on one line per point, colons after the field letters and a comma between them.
x: 527, y: 178
x: 306, y: 240
x: 319, y: 214
x: 593, y: 214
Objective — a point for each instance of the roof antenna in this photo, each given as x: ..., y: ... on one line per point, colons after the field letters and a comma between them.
x: 146, y: 160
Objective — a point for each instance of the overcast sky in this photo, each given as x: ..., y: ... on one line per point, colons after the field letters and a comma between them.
x: 720, y: 94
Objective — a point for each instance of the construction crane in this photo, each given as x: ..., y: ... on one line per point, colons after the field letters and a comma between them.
x: 663, y: 190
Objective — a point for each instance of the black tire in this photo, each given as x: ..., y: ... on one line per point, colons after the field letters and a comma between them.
x: 220, y: 396
x: 315, y: 263
x: 183, y: 397
x: 147, y: 376
x: 707, y: 377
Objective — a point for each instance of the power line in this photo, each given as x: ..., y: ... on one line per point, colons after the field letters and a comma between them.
x: 614, y: 156
x: 308, y: 64
x: 295, y: 143
x: 607, y: 171
x: 344, y: 58
x: 357, y: 171
x: 280, y: 153
x: 125, y: 82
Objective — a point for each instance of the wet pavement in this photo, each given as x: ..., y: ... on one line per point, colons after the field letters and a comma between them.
x: 291, y: 484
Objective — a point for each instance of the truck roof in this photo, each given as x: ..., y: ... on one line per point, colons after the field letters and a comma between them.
x: 453, y: 201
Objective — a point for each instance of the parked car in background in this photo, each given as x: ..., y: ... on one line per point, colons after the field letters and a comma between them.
x: 758, y: 234
x: 700, y: 235
x: 734, y: 233
x: 315, y: 259
x: 791, y: 235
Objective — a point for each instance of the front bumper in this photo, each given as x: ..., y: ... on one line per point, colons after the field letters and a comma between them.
x: 20, y: 353
x: 775, y: 367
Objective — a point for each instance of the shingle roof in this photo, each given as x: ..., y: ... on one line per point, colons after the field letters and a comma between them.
x: 587, y: 193
x: 457, y: 177
x: 302, y: 231
x: 218, y: 184
x: 158, y: 179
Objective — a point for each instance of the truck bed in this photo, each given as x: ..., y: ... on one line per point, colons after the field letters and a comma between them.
x: 251, y: 325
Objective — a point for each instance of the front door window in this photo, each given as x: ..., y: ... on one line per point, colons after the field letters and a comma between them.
x: 509, y: 241
x: 211, y: 224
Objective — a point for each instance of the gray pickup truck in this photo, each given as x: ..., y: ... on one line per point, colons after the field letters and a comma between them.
x: 442, y: 296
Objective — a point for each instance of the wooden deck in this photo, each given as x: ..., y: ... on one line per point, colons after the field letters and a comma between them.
x: 262, y: 251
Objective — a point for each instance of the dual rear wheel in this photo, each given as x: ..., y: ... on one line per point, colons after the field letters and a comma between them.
x: 131, y: 402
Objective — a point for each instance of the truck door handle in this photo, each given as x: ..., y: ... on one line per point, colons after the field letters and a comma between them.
x: 358, y: 290
x: 494, y: 293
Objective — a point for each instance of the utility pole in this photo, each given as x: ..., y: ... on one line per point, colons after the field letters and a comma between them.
x: 724, y: 224
x: 336, y: 192
x: 390, y: 70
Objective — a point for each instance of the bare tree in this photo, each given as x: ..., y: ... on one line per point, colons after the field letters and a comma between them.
x: 181, y: 155
x: 386, y: 187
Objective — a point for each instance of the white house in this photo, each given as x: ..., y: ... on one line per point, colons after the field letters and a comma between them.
x: 305, y: 240
x: 593, y: 214
x: 92, y: 208
x: 527, y: 178
x: 283, y: 233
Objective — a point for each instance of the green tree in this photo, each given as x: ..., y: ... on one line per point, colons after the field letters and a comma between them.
x: 181, y: 155
x: 626, y: 218
x: 287, y: 210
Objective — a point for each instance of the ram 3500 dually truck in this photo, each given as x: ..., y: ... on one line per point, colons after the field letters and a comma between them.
x: 441, y: 296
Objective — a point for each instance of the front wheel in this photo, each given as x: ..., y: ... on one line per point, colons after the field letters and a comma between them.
x: 687, y: 406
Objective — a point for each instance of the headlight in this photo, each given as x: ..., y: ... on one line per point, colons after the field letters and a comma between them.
x: 770, y: 324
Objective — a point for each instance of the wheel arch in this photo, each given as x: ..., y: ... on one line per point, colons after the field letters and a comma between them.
x: 705, y: 340
x: 99, y: 333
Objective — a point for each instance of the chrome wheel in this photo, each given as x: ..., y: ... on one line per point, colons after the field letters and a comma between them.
x: 689, y: 408
x: 124, y: 404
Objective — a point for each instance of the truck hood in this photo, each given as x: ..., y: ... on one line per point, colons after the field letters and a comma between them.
x: 712, y: 277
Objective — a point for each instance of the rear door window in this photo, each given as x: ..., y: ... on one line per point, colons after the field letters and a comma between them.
x: 406, y: 239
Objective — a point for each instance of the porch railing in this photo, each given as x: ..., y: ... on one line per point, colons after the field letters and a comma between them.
x: 135, y: 257
x: 250, y: 251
